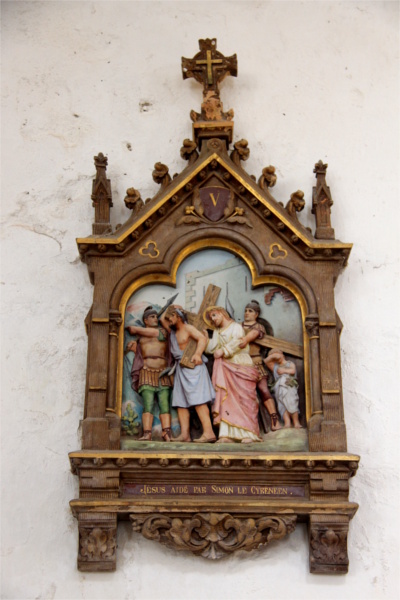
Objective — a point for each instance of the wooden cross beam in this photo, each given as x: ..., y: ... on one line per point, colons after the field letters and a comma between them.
x: 210, y: 299
x: 268, y: 341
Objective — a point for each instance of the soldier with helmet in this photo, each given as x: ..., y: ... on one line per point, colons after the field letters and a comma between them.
x: 151, y: 359
x: 255, y: 328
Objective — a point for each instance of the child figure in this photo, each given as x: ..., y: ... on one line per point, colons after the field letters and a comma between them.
x: 285, y: 387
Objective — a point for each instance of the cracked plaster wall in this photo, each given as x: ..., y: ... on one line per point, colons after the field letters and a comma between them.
x: 316, y: 81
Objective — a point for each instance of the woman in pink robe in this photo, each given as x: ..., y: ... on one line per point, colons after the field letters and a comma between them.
x: 235, y: 409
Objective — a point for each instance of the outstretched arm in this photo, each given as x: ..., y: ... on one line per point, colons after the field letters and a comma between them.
x: 143, y: 331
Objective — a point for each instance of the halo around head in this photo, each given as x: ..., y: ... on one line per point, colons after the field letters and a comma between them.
x: 206, y: 318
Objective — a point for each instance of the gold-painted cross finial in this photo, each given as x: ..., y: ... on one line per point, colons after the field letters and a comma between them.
x: 209, y: 66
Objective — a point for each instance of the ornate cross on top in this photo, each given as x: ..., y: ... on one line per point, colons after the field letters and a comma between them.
x: 209, y: 66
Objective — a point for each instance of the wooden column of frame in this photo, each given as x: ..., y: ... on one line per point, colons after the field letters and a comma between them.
x: 217, y: 502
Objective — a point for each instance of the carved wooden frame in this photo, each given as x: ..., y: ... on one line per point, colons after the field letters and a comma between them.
x: 149, y: 247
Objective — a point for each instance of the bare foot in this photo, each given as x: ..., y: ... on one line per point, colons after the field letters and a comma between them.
x: 287, y: 426
x: 247, y: 441
x: 298, y: 426
x: 182, y: 438
x: 225, y: 440
x: 203, y: 439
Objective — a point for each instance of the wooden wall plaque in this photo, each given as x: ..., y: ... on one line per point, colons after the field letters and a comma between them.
x: 208, y: 249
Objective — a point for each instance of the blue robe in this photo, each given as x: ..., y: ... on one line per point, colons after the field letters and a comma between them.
x: 192, y: 387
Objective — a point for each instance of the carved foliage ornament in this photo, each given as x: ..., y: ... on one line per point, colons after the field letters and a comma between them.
x: 213, y: 535
x: 97, y: 544
x: 328, y: 546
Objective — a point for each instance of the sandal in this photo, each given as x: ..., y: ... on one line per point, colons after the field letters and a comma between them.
x: 166, y: 434
x: 146, y: 437
x: 274, y: 421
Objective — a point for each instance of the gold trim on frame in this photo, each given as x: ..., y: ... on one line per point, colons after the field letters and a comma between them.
x: 257, y: 280
x: 239, y: 455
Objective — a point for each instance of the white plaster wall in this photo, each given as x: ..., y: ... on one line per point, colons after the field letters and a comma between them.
x: 317, y: 80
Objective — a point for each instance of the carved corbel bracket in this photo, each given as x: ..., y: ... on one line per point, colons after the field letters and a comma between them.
x: 97, y: 544
x: 213, y: 535
x: 328, y: 543
x: 311, y: 324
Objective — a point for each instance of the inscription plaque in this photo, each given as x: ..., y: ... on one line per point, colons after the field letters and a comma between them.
x: 133, y: 489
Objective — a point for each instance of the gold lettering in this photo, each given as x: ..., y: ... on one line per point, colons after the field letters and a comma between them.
x: 222, y: 489
x: 179, y: 489
x: 214, y: 201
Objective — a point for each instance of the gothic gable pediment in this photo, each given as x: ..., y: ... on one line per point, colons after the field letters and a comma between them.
x: 181, y: 201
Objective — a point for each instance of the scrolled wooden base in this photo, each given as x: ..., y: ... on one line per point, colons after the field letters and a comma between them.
x: 213, y: 535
